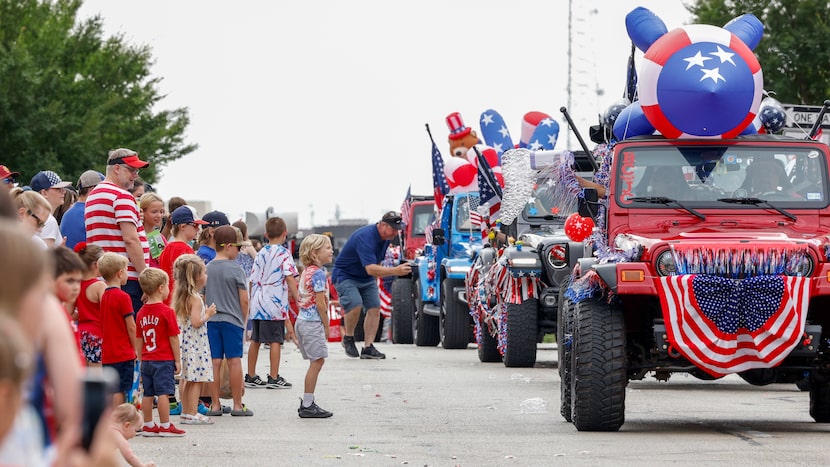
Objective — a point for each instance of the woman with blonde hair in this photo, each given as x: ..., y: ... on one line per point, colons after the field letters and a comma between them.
x: 32, y: 212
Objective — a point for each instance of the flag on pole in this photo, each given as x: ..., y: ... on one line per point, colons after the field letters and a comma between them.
x: 406, y: 206
x: 488, y: 189
x: 726, y: 326
x: 439, y: 180
x: 631, y: 77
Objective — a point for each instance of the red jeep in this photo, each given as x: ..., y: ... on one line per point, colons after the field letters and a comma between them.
x: 710, y: 258
x: 413, y: 236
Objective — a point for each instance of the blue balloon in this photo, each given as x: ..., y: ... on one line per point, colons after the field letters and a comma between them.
x: 609, y: 117
x: 644, y: 27
x: 748, y: 28
x: 632, y: 122
x: 772, y: 115
x: 494, y: 131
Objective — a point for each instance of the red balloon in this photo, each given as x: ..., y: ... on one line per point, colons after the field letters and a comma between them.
x: 578, y: 228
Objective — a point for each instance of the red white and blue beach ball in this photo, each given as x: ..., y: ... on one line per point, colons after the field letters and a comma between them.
x: 700, y: 81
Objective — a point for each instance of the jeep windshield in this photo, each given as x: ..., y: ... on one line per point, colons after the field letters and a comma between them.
x: 777, y: 177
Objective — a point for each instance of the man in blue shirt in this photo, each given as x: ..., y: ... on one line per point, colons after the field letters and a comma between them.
x: 73, y: 227
x: 355, y: 274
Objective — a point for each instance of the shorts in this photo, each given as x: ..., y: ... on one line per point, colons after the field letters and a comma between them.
x: 133, y: 289
x: 157, y: 377
x: 355, y: 294
x: 312, y: 338
x: 268, y: 331
x: 225, y: 340
x: 91, y: 346
x: 125, y: 372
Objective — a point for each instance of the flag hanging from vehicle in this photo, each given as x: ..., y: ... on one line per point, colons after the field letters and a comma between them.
x: 727, y: 326
x: 406, y: 206
x: 439, y: 180
x: 489, y: 191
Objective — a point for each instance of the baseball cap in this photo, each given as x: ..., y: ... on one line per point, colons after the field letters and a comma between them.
x: 126, y: 157
x: 46, y: 179
x: 393, y: 219
x: 215, y: 219
x: 228, y: 235
x: 185, y: 215
x: 89, y: 179
x: 6, y: 173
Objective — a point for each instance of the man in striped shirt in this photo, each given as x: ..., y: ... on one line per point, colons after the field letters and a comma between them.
x: 112, y: 219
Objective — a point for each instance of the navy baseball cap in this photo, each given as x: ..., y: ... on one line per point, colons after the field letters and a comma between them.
x: 46, y: 179
x: 186, y: 215
x: 216, y: 219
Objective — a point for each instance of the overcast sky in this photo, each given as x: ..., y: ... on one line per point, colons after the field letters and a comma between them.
x: 308, y: 105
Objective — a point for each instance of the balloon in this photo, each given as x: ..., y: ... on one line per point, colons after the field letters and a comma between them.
x: 494, y: 131
x: 578, y: 228
x: 460, y: 174
x: 700, y: 80
x: 772, y: 115
x: 544, y: 135
x: 632, y: 122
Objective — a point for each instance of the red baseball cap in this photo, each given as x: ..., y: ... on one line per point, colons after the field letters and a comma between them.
x: 6, y: 173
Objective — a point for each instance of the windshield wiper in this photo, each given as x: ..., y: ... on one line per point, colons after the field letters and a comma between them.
x: 756, y: 202
x: 666, y: 201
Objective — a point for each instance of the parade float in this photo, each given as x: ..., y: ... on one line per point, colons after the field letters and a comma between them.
x: 710, y: 254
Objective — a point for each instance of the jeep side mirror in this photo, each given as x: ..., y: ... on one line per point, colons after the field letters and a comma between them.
x: 438, y: 237
x: 588, y: 203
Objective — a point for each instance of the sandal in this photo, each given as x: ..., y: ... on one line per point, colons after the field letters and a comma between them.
x: 243, y: 412
x: 214, y: 413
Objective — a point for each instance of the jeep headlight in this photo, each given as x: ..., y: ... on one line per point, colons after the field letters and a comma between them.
x: 665, y: 265
x: 801, y: 267
x: 558, y: 256
x: 521, y: 262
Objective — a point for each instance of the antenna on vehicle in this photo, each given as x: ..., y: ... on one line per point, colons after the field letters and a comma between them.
x: 817, y: 123
x: 567, y: 115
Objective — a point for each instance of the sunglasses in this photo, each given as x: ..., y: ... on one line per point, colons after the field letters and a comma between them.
x: 40, y: 223
x: 237, y: 245
x: 132, y: 170
x: 8, y: 181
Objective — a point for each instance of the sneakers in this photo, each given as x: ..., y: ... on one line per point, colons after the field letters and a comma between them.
x: 371, y: 352
x: 202, y: 408
x: 351, y: 349
x: 175, y: 408
x: 151, y: 432
x: 255, y: 382
x: 313, y: 411
x: 169, y: 432
x: 279, y: 383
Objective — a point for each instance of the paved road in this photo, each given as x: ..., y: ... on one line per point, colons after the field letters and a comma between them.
x: 436, y: 407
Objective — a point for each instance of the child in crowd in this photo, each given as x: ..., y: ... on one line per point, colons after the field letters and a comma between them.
x: 117, y: 324
x: 152, y: 210
x: 159, y: 352
x: 88, y: 303
x: 15, y: 366
x: 68, y: 273
x: 126, y: 420
x: 313, y: 321
x: 197, y: 368
x: 207, y: 242
x: 185, y: 228
x: 227, y: 287
x: 272, y: 282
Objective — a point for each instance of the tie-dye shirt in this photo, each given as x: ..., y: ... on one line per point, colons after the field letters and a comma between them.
x: 269, y: 291
x: 312, y: 281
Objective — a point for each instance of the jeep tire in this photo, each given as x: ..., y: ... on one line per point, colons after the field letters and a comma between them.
x: 424, y: 326
x: 488, y: 346
x: 564, y: 341
x: 455, y: 318
x: 521, y: 327
x: 402, y: 310
x: 820, y: 396
x: 599, y: 376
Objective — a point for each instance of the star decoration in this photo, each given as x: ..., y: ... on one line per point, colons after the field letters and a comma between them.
x: 486, y: 119
x: 497, y: 147
x: 535, y: 145
x: 552, y: 140
x: 546, y: 122
x: 504, y: 132
x: 723, y: 55
x: 696, y: 60
x: 713, y: 74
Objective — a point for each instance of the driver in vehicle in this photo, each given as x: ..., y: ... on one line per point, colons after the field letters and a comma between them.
x: 765, y: 177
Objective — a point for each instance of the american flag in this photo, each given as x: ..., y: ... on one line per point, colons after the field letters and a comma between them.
x: 385, y: 299
x: 439, y: 180
x: 489, y: 191
x: 631, y: 77
x: 476, y: 218
x: 726, y: 326
x: 406, y: 206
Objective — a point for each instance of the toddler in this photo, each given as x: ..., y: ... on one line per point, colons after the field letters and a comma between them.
x: 126, y: 420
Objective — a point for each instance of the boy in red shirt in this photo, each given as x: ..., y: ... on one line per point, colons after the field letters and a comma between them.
x: 117, y: 324
x: 159, y: 352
